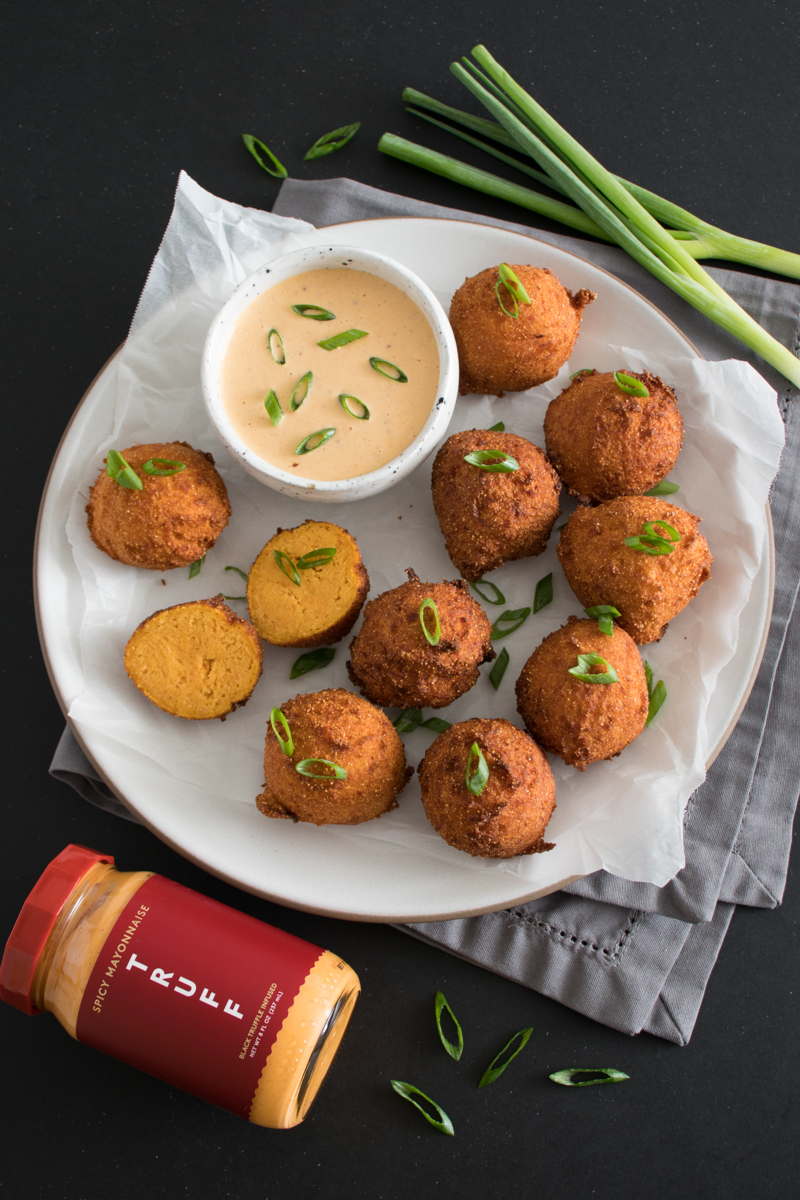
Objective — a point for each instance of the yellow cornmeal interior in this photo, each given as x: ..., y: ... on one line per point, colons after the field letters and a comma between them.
x: 193, y: 662
x: 281, y: 611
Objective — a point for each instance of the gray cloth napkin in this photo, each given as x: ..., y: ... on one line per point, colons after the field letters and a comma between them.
x: 631, y: 955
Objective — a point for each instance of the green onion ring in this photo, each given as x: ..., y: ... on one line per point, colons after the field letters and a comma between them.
x: 479, y: 583
x: 513, y: 283
x: 544, y: 593
x: 657, y: 697
x: 289, y: 571
x: 254, y: 145
x: 652, y: 527
x: 342, y: 339
x: 150, y: 467
x: 582, y: 671
x: 378, y: 364
x: 304, y: 768
x: 455, y: 1050
x: 648, y: 676
x: 665, y: 488
x: 499, y: 669
x: 312, y: 661
x: 196, y: 567
x: 583, y: 371
x: 344, y: 400
x: 476, y: 777
x: 335, y: 140
x: 492, y: 1072
x: 437, y: 724
x: 627, y: 383
x: 238, y: 572
x: 444, y: 1124
x: 500, y: 284
x: 316, y: 558
x: 610, y: 1073
x: 517, y: 617
x: 434, y: 638
x: 314, y: 312
x: 306, y: 380
x: 276, y: 347
x: 492, y: 460
x: 604, y: 614
x: 286, y: 744
x: 500, y: 427
x: 324, y: 436
x: 122, y: 472
x: 408, y: 720
x: 272, y: 405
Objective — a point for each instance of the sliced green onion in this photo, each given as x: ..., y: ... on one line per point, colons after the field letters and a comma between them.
x: 493, y: 1071
x: 492, y: 460
x: 234, y: 597
x: 627, y: 383
x: 286, y: 743
x: 455, y: 1050
x: 314, y: 312
x: 380, y: 365
x: 479, y: 583
x: 344, y: 400
x: 477, y: 775
x: 256, y: 148
x: 331, y: 141
x: 509, y: 280
x: 515, y: 617
x: 544, y: 593
x: 500, y: 427
x: 609, y: 1074
x: 276, y: 347
x: 272, y: 405
x: 408, y: 720
x: 499, y: 669
x: 342, y: 339
x: 196, y: 567
x: 654, y: 543
x: 432, y: 637
x: 583, y: 371
x: 583, y: 671
x: 238, y: 572
x: 657, y: 697
x: 305, y: 447
x: 437, y: 724
x: 442, y: 1123
x: 122, y: 472
x: 648, y: 676
x: 665, y: 488
x: 605, y: 614
x: 304, y: 768
x: 652, y: 527
x: 173, y: 468
x: 286, y: 565
x: 301, y: 390
x: 312, y: 661
x: 316, y: 558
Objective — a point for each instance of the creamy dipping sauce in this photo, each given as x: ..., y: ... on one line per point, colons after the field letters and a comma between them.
x: 397, y: 331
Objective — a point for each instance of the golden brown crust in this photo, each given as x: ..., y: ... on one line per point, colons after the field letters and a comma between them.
x: 391, y: 660
x: 340, y: 727
x: 326, y: 604
x: 511, y: 814
x: 648, y: 590
x: 172, y: 522
x: 583, y: 722
x: 605, y: 442
x: 197, y: 660
x: 487, y: 517
x: 498, y: 353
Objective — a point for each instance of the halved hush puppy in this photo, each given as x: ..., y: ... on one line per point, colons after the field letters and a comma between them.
x: 392, y: 661
x: 649, y: 589
x: 489, y: 517
x: 332, y: 729
x: 501, y: 353
x: 606, y: 441
x: 197, y: 660
x: 172, y: 521
x: 510, y: 814
x: 307, y: 586
x: 583, y: 722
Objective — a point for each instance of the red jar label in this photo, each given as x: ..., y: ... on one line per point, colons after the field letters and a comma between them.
x: 193, y: 992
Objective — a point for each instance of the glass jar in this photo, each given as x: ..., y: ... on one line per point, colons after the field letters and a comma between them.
x: 190, y: 990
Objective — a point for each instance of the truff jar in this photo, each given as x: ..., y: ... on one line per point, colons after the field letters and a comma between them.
x: 190, y: 990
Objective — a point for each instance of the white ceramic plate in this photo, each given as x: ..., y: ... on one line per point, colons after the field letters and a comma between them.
x: 328, y: 871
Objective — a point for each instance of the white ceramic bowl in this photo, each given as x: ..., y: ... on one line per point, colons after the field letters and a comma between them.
x: 309, y: 259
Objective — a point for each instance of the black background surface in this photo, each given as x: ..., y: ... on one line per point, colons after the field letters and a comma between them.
x: 103, y: 104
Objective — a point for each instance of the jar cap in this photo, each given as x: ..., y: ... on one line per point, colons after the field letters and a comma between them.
x: 36, y: 920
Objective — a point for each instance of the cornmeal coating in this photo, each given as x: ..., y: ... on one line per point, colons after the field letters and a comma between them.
x: 511, y: 813
x: 648, y: 590
x: 489, y: 517
x: 197, y: 660
x: 324, y: 606
x: 172, y: 522
x: 583, y: 722
x: 339, y: 727
x: 498, y: 353
x: 605, y: 442
x: 391, y: 660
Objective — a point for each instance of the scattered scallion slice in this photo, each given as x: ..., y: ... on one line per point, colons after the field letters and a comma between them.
x: 583, y: 671
x: 499, y: 669
x: 286, y: 565
x: 609, y: 1075
x: 346, y: 401
x: 510, y: 281
x: 276, y: 347
x: 432, y: 636
x: 583, y: 371
x: 257, y: 148
x: 273, y: 407
x: 477, y: 774
x: 314, y: 312
x: 605, y: 614
x: 514, y: 617
x: 493, y: 1071
x: 286, y: 743
x: 316, y: 558
x: 479, y: 583
x: 305, y: 765
x: 437, y: 724
x: 500, y: 427
x: 329, y: 142
x: 122, y: 472
x: 665, y: 488
x: 312, y: 661
x: 627, y: 383
x: 234, y: 597
x: 196, y: 567
x: 238, y: 572
x: 648, y: 676
x: 657, y: 697
x: 409, y: 720
x: 152, y: 467
x: 385, y: 368
x: 653, y: 543
x: 454, y: 1049
x: 342, y: 339
x: 492, y: 460
x: 301, y: 390
x: 321, y: 435
x: 408, y: 1091
x: 544, y: 593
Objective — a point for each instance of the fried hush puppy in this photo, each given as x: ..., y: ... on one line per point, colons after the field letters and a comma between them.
x: 197, y: 660
x: 499, y: 353
x: 510, y: 815
x: 338, y: 728
x: 172, y: 522
x: 491, y: 517
x: 583, y: 722
x: 647, y: 589
x: 393, y: 663
x: 299, y: 594
x: 605, y: 442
